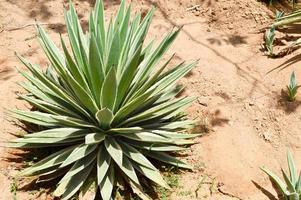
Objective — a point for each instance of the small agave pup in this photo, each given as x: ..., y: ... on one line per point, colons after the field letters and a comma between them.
x: 107, y: 107
x: 269, y: 40
x: 291, y: 189
x: 292, y: 88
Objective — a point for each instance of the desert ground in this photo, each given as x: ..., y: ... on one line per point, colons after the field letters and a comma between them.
x: 245, y: 120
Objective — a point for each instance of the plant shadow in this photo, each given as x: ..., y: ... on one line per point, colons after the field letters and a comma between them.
x: 264, y: 191
x: 269, y: 194
x: 217, y: 120
x: 285, y: 105
x: 234, y: 40
x: 22, y: 158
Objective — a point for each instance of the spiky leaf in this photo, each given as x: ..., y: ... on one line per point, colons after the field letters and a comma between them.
x: 105, y: 105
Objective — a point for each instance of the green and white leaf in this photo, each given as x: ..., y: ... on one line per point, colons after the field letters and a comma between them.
x: 103, y: 105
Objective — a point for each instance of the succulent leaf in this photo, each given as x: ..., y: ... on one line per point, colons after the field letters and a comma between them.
x: 105, y: 105
x: 291, y: 190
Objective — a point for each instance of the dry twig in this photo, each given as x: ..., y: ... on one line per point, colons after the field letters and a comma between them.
x: 24, y: 26
x: 193, y: 7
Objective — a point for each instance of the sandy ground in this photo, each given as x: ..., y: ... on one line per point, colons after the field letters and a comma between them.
x: 238, y: 90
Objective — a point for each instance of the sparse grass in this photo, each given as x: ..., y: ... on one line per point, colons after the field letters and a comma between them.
x: 185, y: 193
x: 13, y: 188
x: 163, y: 193
x: 172, y: 179
x: 213, y: 186
x: 200, y: 185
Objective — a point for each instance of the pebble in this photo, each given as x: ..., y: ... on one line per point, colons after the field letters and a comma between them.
x: 267, y: 136
x: 197, y: 13
x: 203, y: 102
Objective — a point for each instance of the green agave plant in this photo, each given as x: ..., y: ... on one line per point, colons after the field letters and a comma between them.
x: 269, y: 40
x: 292, y: 88
x: 291, y: 189
x: 107, y: 107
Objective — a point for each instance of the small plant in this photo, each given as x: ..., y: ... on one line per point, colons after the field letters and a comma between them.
x: 282, y: 20
x: 270, y: 35
x: 279, y: 14
x: 105, y: 106
x: 292, y: 88
x: 269, y: 40
x: 13, y: 188
x: 291, y: 188
x: 294, y: 17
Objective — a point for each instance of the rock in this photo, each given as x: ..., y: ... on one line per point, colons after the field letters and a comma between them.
x: 267, y: 136
x: 203, y: 101
x: 230, y: 26
x: 197, y: 13
x: 251, y: 103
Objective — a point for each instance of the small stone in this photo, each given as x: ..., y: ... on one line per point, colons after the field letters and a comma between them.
x: 251, y: 103
x: 203, y: 102
x: 197, y: 13
x: 267, y: 136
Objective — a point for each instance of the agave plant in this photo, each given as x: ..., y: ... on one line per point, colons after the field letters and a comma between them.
x: 269, y: 40
x: 292, y: 88
x: 291, y: 189
x: 109, y: 108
